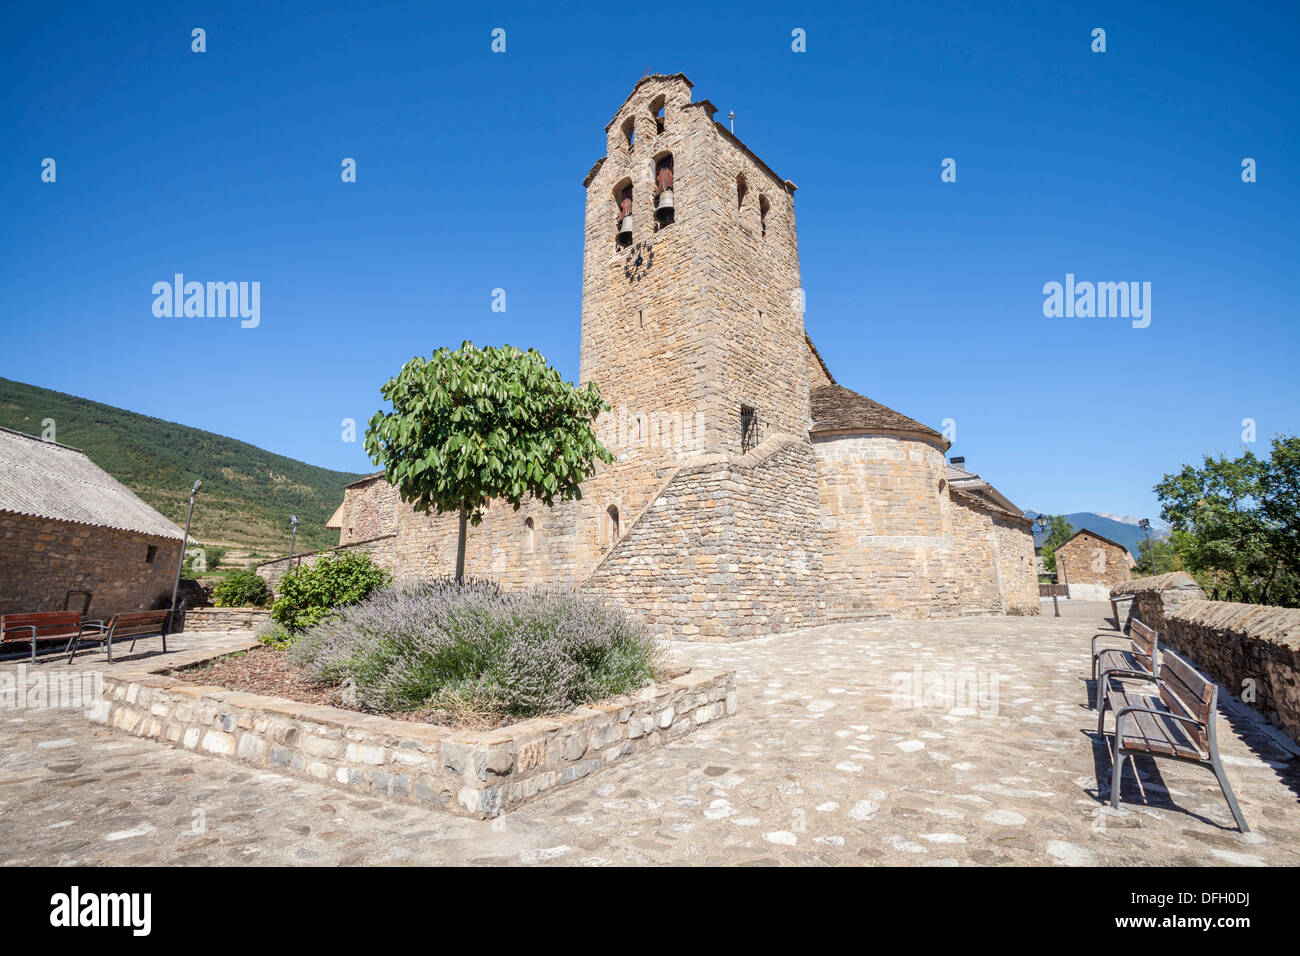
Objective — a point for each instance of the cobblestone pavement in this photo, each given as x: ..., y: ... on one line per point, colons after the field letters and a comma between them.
x: 849, y: 748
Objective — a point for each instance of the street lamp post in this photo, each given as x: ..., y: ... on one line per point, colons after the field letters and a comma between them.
x: 1145, y: 525
x: 293, y: 536
x: 1042, y: 526
x: 180, y: 563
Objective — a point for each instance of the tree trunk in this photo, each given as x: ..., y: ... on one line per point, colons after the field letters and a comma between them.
x: 460, y: 544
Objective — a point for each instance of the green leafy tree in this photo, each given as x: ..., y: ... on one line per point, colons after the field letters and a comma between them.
x: 1160, y: 558
x: 1236, y: 521
x: 310, y: 593
x: 475, y: 424
x: 1058, y: 532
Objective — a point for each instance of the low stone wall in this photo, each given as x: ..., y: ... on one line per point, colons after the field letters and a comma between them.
x: 1253, y: 650
x: 224, y: 619
x: 1153, y: 597
x: 477, y: 774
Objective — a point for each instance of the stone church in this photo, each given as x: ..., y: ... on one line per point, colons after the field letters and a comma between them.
x: 751, y: 493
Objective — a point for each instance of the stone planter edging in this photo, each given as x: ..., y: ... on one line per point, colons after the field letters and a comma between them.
x: 224, y: 619
x: 480, y: 774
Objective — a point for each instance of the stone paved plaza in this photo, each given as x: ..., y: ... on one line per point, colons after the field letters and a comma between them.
x: 933, y: 743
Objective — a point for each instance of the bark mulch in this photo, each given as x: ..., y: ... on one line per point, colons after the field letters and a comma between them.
x: 269, y: 672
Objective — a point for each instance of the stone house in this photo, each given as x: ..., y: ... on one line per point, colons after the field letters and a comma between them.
x: 74, y: 538
x: 752, y: 492
x: 1091, y: 564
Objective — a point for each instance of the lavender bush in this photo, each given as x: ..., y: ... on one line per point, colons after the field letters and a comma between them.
x: 473, y: 648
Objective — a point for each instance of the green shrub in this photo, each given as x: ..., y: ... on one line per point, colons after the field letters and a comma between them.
x: 241, y: 589
x: 275, y: 635
x: 473, y: 650
x: 309, y: 594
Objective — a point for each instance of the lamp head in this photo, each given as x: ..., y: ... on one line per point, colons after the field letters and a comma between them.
x: 198, y: 483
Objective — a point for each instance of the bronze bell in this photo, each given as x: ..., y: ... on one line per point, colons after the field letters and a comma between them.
x: 625, y: 230
x: 664, y: 207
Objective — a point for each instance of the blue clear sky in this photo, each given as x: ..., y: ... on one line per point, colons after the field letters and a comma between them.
x: 1122, y: 166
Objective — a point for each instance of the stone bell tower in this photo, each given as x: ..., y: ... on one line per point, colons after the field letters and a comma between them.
x: 692, y: 320
x: 692, y: 326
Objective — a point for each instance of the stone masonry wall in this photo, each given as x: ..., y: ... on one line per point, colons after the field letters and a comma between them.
x: 1253, y: 650
x: 1154, y: 596
x: 709, y: 319
x: 1019, y: 568
x: 886, y: 530
x: 730, y: 549
x: 993, y: 558
x: 976, y: 557
x: 1087, y: 559
x: 41, y: 560
x: 224, y: 619
x: 478, y: 774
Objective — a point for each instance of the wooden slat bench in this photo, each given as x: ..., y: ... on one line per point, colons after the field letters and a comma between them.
x: 132, y: 624
x: 1171, y: 716
x: 44, y: 626
x: 1140, y: 659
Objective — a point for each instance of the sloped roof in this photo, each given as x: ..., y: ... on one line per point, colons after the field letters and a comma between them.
x: 970, y: 486
x: 837, y: 409
x: 1100, y: 537
x: 48, y: 480
x: 336, y: 520
x: 957, y: 475
x: 812, y: 349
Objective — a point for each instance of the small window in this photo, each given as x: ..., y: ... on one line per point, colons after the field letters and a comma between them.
x: 150, y: 554
x: 748, y: 428
x: 611, y: 519
x: 530, y: 536
x: 763, y: 208
x: 742, y: 190
x: 629, y: 132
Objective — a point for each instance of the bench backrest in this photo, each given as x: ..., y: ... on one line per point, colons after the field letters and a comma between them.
x: 132, y: 623
x: 1143, y: 638
x: 47, y: 624
x: 1184, y: 690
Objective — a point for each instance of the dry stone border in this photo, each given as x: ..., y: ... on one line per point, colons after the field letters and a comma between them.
x: 474, y: 773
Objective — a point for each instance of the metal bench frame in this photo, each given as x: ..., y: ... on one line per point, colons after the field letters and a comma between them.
x: 1155, y: 705
x: 109, y: 631
x: 1141, y: 659
x: 36, y: 637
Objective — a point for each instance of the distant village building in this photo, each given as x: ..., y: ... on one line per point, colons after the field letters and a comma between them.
x: 1091, y: 565
x: 752, y: 492
x: 74, y: 538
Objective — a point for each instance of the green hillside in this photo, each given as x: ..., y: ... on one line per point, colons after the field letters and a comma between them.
x: 248, y: 493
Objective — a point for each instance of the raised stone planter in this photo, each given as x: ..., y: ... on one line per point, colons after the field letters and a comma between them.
x: 478, y: 774
x: 225, y: 619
